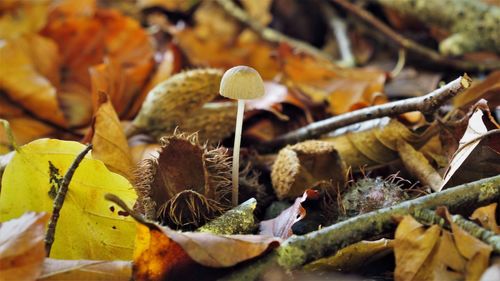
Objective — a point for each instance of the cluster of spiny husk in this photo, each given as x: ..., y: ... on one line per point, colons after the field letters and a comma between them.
x: 187, y: 185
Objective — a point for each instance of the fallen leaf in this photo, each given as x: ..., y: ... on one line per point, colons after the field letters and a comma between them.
x: 470, y: 140
x: 22, y: 18
x: 102, y: 232
x: 413, y: 245
x: 108, y: 139
x: 353, y: 257
x: 487, y: 217
x: 24, y: 84
x: 83, y: 270
x: 374, y: 142
x: 22, y: 247
x: 281, y: 226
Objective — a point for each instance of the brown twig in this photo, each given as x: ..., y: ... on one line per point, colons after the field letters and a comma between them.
x: 429, y: 54
x: 270, y: 34
x: 425, y: 104
x: 59, y: 200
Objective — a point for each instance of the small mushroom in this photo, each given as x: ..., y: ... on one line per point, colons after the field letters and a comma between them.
x: 240, y: 83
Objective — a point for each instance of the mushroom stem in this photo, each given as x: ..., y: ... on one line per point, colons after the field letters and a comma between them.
x: 236, y: 151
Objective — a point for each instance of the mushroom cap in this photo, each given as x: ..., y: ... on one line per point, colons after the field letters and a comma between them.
x: 242, y: 82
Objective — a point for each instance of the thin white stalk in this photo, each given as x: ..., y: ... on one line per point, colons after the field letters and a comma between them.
x: 236, y: 151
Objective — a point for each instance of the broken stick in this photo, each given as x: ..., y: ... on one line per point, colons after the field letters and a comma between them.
x: 425, y: 104
x: 59, y: 200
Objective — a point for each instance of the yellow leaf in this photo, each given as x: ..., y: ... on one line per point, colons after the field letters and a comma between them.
x: 25, y: 17
x: 487, y: 217
x: 89, y: 227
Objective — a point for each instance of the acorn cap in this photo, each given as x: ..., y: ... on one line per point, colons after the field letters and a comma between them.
x: 242, y: 82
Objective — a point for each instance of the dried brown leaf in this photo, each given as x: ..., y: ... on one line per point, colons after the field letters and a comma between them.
x: 109, y: 142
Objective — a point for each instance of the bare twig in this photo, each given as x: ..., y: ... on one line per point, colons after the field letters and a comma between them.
x: 269, y: 34
x: 427, y: 216
x: 298, y: 250
x: 115, y: 199
x: 425, y: 104
x: 59, y: 200
x: 429, y: 54
x: 339, y: 29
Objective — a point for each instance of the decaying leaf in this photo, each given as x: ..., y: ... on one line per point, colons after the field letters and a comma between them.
x: 22, y: 247
x: 305, y: 165
x: 186, y: 185
x: 353, y: 257
x: 487, y: 217
x: 437, y: 254
x: 108, y: 139
x: 82, y: 270
x: 488, y: 89
x: 102, y: 232
x: 374, y: 142
x: 281, y: 226
x: 470, y: 141
x: 162, y: 253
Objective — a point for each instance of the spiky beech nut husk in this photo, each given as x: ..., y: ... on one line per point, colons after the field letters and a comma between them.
x: 305, y: 165
x: 175, y: 100
x: 368, y: 194
x: 186, y: 185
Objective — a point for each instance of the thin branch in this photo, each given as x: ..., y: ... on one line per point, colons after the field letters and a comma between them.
x: 425, y: 104
x: 59, y: 200
x: 339, y: 30
x: 429, y: 54
x: 427, y: 216
x: 298, y: 250
x: 267, y: 33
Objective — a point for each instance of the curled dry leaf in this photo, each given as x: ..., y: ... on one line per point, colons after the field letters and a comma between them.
x: 187, y: 185
x: 19, y: 18
x: 305, y: 165
x: 437, y: 254
x: 162, y: 253
x: 102, y: 231
x: 372, y: 143
x: 353, y: 257
x: 281, y: 226
x: 22, y: 247
x: 82, y: 270
x: 476, y: 128
x: 108, y: 139
x: 487, y: 217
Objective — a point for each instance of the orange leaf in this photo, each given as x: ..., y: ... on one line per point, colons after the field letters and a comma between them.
x: 487, y: 217
x: 108, y: 139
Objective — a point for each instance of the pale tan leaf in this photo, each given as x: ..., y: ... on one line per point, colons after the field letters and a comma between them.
x: 83, y: 270
x: 22, y: 247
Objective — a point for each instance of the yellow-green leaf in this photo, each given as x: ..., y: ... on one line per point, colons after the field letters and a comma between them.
x: 89, y: 227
